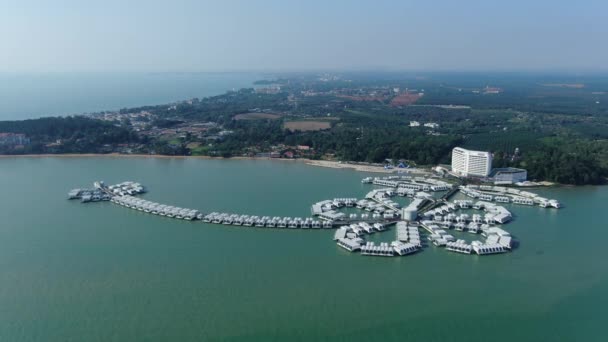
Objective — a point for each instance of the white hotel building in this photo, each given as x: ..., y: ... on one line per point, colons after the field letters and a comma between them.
x: 471, y: 163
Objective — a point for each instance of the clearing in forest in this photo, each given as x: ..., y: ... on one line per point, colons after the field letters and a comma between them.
x: 306, y: 125
x: 256, y: 116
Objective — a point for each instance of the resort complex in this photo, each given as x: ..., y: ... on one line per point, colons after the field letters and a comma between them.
x: 433, y: 215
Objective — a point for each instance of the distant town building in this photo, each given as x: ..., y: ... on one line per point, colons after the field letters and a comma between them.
x: 427, y: 124
x: 13, y: 139
x: 492, y: 90
x: 471, y: 163
x: 269, y: 90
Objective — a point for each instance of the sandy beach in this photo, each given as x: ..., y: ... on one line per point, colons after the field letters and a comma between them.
x: 361, y: 167
x: 357, y: 167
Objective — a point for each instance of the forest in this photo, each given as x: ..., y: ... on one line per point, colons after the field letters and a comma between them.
x: 75, y: 134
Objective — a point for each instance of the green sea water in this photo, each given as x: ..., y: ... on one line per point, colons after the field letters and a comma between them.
x: 100, y: 272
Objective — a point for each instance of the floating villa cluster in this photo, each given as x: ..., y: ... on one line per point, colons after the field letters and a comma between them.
x: 503, y: 194
x: 408, y: 233
x: 497, y: 239
x: 351, y: 238
x: 325, y: 210
x: 100, y: 192
x: 408, y: 185
x: 157, y: 208
x: 265, y: 221
x: 435, y: 215
x: 447, y: 216
x: 89, y: 195
x: 122, y: 189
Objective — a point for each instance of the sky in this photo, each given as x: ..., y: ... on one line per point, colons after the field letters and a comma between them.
x: 232, y: 35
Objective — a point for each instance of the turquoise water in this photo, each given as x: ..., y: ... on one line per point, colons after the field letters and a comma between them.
x: 25, y: 96
x: 99, y: 272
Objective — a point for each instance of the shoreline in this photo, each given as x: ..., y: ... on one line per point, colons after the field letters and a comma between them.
x: 111, y: 155
x: 312, y: 162
x: 318, y: 163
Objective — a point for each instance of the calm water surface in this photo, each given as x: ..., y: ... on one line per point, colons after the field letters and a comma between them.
x: 99, y: 272
x: 32, y: 95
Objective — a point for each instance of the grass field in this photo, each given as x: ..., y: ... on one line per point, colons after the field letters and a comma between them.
x: 307, y: 125
x: 256, y: 116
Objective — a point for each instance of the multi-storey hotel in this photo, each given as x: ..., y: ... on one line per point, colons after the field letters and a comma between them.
x: 471, y: 163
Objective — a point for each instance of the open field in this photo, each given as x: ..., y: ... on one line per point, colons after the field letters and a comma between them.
x: 257, y: 116
x: 404, y: 99
x: 306, y: 125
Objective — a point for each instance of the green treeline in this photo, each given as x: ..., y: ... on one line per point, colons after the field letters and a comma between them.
x: 562, y: 161
x: 75, y: 134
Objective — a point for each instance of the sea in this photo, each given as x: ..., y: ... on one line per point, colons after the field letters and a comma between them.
x: 33, y: 95
x: 100, y: 272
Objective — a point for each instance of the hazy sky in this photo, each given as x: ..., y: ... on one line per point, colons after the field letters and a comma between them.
x: 148, y: 35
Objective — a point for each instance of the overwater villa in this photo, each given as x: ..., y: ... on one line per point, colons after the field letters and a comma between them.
x: 436, y: 215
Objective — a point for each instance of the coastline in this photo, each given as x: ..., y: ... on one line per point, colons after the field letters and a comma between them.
x: 318, y: 163
x: 110, y: 155
x: 312, y: 162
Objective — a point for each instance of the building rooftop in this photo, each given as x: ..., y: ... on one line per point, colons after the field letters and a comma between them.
x: 506, y: 170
